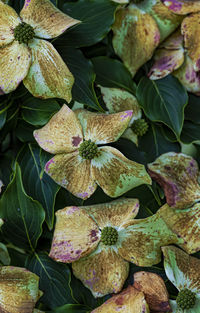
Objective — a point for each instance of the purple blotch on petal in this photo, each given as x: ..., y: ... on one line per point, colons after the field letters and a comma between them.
x: 76, y: 140
x: 126, y: 114
x: 173, y: 5
x: 48, y: 164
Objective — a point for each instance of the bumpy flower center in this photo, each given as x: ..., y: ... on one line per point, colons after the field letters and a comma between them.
x: 88, y: 150
x: 186, y: 299
x: 140, y: 127
x: 24, y: 33
x: 109, y: 236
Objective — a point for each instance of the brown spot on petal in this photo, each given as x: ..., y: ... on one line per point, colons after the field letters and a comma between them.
x: 76, y: 140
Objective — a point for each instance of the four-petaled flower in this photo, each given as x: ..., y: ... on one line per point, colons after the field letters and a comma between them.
x: 23, y: 56
x: 79, y: 165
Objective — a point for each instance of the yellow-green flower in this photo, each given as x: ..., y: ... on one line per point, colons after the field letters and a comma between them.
x: 184, y: 272
x: 24, y: 56
x: 79, y: 164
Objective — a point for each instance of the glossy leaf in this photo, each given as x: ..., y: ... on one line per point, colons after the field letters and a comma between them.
x: 190, y: 133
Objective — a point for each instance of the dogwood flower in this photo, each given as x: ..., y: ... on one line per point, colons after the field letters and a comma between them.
x: 184, y: 272
x: 79, y: 164
x: 180, y: 53
x: 139, y: 28
x: 102, y: 239
x: 24, y: 56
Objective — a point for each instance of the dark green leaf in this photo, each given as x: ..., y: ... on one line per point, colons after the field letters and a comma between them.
x: 190, y: 133
x: 192, y: 110
x: 71, y: 308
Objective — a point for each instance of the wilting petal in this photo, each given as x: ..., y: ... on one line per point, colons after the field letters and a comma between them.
x: 48, y: 21
x: 118, y: 100
x: 182, y: 6
x: 76, y: 235
x: 18, y: 290
x: 116, y: 174
x: 114, y: 213
x: 154, y: 289
x: 73, y: 173
x: 140, y: 241
x: 191, y: 31
x: 136, y: 35
x: 121, y: 1
x: 15, y: 60
x: 102, y: 272
x: 103, y: 128
x: 8, y: 21
x: 62, y: 133
x: 185, y: 224
x: 173, y: 42
x: 128, y: 299
x: 49, y: 76
x: 177, y: 173
x: 182, y: 269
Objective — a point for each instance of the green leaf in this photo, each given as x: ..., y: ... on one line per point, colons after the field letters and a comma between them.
x: 23, y: 216
x: 54, y: 280
x: 112, y: 73
x: 190, y: 133
x: 72, y: 308
x: 37, y: 183
x: 163, y: 101
x: 96, y: 19
x: 192, y: 110
x: 82, y: 69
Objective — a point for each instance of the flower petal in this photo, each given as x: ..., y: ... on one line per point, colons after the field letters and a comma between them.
x: 103, y: 128
x: 15, y: 60
x: 48, y: 21
x: 185, y: 224
x: 182, y: 6
x: 128, y: 298
x: 102, y: 272
x: 177, y: 173
x: 62, y: 133
x: 130, y: 135
x: 49, y: 76
x: 136, y: 35
x: 140, y: 241
x: 116, y: 174
x: 73, y: 173
x: 182, y: 269
x: 19, y: 290
x: 154, y: 289
x: 114, y: 213
x: 191, y: 32
x: 76, y: 235
x: 8, y: 21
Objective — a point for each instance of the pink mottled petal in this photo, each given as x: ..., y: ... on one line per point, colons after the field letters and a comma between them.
x: 182, y: 6
x: 15, y: 60
x: 76, y: 235
x: 103, y: 128
x: 173, y: 42
x: 103, y: 271
x: 48, y: 21
x: 61, y: 134
x: 73, y: 173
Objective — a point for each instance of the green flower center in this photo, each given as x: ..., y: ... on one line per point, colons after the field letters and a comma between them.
x: 88, y: 150
x: 140, y: 127
x: 186, y: 299
x: 109, y: 236
x: 24, y: 33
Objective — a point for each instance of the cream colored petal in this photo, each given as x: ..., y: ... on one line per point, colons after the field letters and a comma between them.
x: 15, y: 60
x: 103, y: 128
x: 8, y: 21
x: 118, y: 100
x: 185, y: 224
x: 128, y: 301
x: 102, y: 272
x: 48, y: 21
x: 49, y: 76
x: 1, y: 185
x: 75, y: 235
x: 188, y: 77
x: 121, y: 1
x: 73, y: 173
x: 182, y: 6
x: 190, y: 29
x: 177, y: 173
x: 114, y: 213
x: 130, y: 135
x: 62, y: 133
x: 136, y: 35
x: 182, y: 269
x: 18, y: 290
x: 174, y: 41
x: 116, y: 174
x: 154, y: 289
